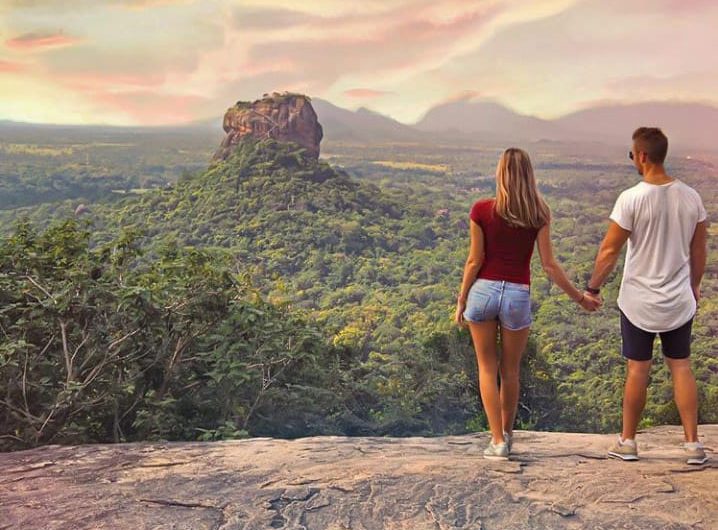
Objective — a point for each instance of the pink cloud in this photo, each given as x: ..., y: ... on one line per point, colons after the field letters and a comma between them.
x: 268, y: 18
x: 674, y: 6
x: 147, y: 107
x: 464, y: 95
x: 148, y: 4
x: 10, y: 67
x: 402, y: 40
x: 256, y: 68
x: 138, y: 97
x: 135, y: 96
x: 35, y: 41
x: 365, y: 93
x: 90, y: 82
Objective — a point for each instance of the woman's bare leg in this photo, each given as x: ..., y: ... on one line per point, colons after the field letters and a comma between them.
x: 483, y: 335
x: 513, y: 345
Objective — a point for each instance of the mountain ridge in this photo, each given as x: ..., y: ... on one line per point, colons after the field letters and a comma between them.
x: 687, y: 124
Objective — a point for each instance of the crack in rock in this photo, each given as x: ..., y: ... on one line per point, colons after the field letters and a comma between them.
x: 279, y: 504
x: 169, y: 502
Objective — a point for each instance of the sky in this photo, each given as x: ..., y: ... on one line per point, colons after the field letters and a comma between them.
x: 157, y: 62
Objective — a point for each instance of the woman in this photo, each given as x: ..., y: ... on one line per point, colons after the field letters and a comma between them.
x: 494, y: 296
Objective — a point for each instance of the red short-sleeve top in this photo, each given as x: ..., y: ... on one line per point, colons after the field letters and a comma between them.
x: 507, y: 249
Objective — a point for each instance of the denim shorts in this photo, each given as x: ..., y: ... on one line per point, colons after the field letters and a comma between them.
x: 507, y: 302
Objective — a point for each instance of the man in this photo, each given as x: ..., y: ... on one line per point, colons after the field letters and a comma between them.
x: 664, y: 222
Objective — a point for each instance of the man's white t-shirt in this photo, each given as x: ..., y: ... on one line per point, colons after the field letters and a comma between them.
x: 656, y: 292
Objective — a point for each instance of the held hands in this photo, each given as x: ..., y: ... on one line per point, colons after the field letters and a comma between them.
x: 590, y: 302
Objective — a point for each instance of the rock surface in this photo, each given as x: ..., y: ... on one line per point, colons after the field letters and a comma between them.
x: 283, y: 117
x: 555, y: 480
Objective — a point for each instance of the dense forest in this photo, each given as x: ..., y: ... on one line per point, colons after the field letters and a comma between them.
x: 43, y: 164
x: 276, y: 295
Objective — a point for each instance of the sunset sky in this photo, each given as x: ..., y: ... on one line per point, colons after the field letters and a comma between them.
x: 153, y: 62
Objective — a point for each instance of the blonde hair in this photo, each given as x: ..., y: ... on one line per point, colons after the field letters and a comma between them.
x: 518, y: 200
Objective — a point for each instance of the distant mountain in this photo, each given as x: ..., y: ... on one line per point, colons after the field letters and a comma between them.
x: 487, y: 118
x: 362, y: 125
x: 685, y: 124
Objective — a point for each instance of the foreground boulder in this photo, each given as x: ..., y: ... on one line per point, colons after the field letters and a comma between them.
x: 282, y: 117
x: 555, y: 480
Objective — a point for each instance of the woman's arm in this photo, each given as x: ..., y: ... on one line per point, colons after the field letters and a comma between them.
x: 554, y: 271
x: 471, y: 269
x: 474, y: 261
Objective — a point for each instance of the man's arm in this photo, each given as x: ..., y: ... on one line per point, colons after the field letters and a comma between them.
x: 698, y: 257
x: 608, y: 254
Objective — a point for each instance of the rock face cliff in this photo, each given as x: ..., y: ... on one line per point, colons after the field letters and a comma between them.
x: 283, y: 117
x: 554, y: 481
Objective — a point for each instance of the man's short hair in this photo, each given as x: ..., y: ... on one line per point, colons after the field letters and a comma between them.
x: 653, y: 142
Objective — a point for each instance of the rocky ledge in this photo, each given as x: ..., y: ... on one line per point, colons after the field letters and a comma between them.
x: 554, y: 480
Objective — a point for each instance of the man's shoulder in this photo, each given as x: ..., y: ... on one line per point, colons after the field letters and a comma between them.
x: 631, y: 193
x: 688, y: 190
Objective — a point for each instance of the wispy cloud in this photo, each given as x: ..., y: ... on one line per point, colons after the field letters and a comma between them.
x: 11, y: 67
x: 60, y: 6
x: 148, y: 4
x: 365, y: 93
x: 148, y: 107
x: 40, y: 41
x: 253, y: 18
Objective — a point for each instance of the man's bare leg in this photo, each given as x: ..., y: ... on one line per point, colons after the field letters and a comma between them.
x: 634, y: 396
x: 685, y: 394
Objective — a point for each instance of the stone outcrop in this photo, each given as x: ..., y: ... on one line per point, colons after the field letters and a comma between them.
x: 283, y: 117
x: 554, y: 480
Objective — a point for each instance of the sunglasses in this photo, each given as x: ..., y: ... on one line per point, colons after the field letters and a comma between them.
x: 630, y: 155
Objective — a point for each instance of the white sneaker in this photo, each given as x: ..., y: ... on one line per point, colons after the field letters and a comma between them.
x: 624, y: 449
x: 499, y: 451
x: 695, y: 452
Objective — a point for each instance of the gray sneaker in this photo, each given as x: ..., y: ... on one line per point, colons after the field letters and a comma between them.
x: 624, y: 450
x: 695, y: 453
x: 499, y: 451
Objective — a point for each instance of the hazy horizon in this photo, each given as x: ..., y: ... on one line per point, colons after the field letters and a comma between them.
x: 218, y: 117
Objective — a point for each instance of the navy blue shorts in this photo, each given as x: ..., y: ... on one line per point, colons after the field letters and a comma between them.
x: 638, y: 343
